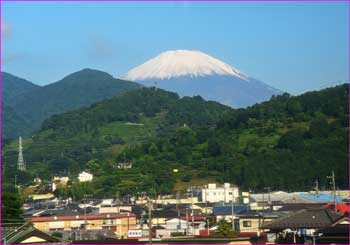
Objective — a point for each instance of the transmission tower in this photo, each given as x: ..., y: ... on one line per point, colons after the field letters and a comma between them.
x: 20, y: 165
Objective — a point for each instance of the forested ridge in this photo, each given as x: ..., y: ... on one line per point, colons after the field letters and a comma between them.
x: 285, y: 143
x: 28, y: 105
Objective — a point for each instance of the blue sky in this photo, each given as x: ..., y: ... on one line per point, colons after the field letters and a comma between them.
x: 295, y: 47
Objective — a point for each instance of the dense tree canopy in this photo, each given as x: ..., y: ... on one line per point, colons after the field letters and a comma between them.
x: 11, y: 207
x: 285, y: 143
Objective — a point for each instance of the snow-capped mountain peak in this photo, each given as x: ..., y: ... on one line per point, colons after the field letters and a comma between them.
x: 177, y: 63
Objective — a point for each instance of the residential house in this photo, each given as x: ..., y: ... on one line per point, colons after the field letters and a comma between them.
x: 246, y: 221
x: 168, y: 200
x: 25, y: 233
x: 190, y: 225
x: 61, y: 180
x: 124, y: 165
x: 118, y: 223
x: 300, y: 226
x: 337, y: 233
x: 85, y: 177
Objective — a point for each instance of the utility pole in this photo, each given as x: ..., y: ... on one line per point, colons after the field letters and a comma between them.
x: 16, y: 183
x: 187, y: 221
x: 224, y: 193
x: 332, y: 177
x: 177, y: 209
x: 232, y: 210
x: 149, y: 221
x: 206, y: 210
x: 192, y: 211
x: 316, y: 187
x: 268, y: 196
x: 263, y: 205
x: 85, y: 222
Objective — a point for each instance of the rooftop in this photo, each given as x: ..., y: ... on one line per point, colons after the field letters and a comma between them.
x: 81, y: 217
x: 309, y: 218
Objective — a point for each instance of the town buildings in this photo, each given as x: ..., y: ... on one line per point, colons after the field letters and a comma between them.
x: 214, y: 193
x: 85, y: 177
x: 118, y: 223
x: 260, y: 216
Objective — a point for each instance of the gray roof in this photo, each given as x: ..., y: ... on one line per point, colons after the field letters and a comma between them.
x: 272, y: 197
x: 309, y: 218
x: 59, y: 212
x: 227, y: 210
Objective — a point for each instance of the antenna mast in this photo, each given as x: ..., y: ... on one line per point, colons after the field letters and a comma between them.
x: 20, y: 165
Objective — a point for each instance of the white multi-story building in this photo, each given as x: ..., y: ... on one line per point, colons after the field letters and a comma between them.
x: 226, y: 193
x: 85, y: 177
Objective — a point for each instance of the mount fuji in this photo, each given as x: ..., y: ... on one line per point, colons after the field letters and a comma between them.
x: 191, y: 73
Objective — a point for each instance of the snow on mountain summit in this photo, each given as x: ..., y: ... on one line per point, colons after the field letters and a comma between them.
x: 177, y: 63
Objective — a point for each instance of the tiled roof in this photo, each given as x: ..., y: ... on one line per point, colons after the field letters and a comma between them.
x: 15, y: 234
x: 164, y: 214
x: 226, y: 210
x: 308, y: 218
x: 81, y: 217
x: 298, y: 206
x: 189, y: 218
x: 58, y: 212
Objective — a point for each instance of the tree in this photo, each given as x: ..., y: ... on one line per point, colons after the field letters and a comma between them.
x: 94, y: 166
x: 225, y: 229
x: 153, y: 149
x: 214, y: 148
x: 294, y: 107
x: 11, y: 208
x: 292, y: 140
x: 319, y: 127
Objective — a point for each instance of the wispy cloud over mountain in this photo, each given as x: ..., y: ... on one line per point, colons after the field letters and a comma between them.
x: 99, y: 48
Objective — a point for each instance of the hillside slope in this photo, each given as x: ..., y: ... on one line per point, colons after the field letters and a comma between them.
x: 71, y: 141
x: 13, y: 87
x: 285, y: 143
x: 76, y: 90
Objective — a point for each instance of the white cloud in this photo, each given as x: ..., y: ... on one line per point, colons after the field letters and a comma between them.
x: 6, y: 30
x: 100, y: 48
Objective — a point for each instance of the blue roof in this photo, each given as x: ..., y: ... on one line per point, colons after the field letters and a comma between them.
x: 226, y: 210
x: 320, y: 198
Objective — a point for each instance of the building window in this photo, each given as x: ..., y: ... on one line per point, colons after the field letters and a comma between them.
x: 230, y: 193
x: 247, y: 224
x: 109, y: 222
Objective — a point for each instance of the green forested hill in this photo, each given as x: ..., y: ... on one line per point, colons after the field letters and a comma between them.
x: 76, y: 90
x: 100, y: 133
x: 11, y: 122
x: 13, y: 86
x: 285, y: 143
